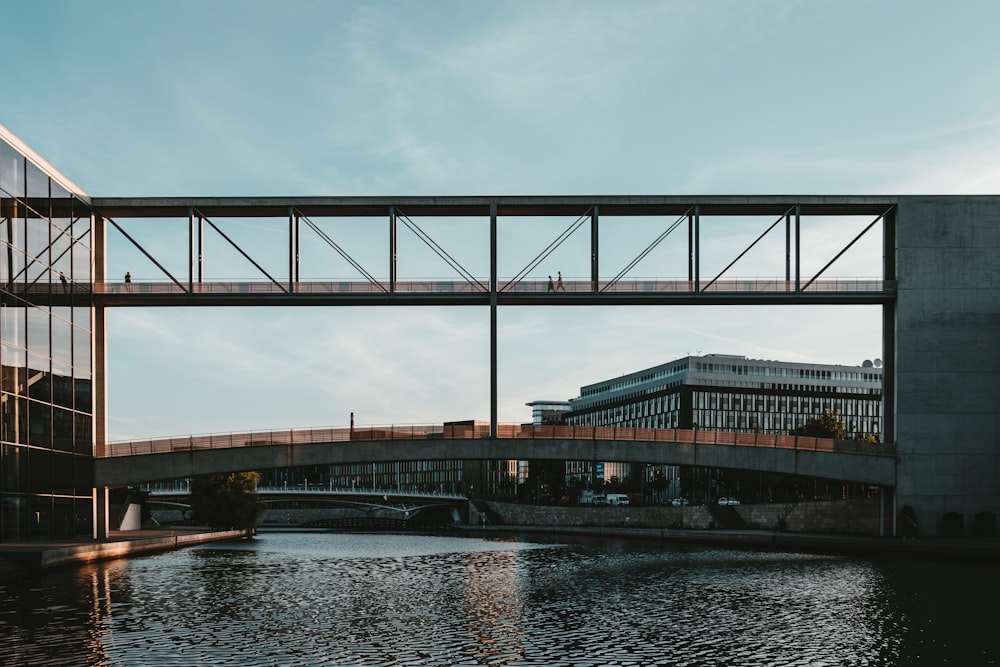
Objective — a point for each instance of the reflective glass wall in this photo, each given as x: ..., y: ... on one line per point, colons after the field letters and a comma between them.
x: 46, y: 413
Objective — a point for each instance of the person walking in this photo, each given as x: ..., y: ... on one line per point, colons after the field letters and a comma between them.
x: 551, y: 288
x: 128, y: 281
x: 559, y: 283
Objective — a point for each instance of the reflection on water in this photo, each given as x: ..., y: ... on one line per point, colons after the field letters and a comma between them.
x: 337, y: 599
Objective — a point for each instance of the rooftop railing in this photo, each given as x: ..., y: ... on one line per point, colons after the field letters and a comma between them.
x: 482, y: 431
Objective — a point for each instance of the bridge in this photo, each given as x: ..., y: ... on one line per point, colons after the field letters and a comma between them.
x: 124, y: 463
x: 364, y: 505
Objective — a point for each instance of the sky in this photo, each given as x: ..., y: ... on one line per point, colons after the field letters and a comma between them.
x: 250, y: 98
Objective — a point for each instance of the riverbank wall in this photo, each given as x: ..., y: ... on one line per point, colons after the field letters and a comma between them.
x: 39, y: 557
x: 845, y: 517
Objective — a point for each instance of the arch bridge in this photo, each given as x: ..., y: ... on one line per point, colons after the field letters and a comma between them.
x: 124, y: 463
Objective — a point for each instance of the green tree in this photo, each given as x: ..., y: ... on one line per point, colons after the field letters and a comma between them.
x: 826, y: 425
x: 226, y: 501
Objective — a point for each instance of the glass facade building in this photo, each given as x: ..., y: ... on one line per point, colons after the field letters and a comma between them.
x: 721, y: 393
x: 46, y: 355
x: 732, y: 393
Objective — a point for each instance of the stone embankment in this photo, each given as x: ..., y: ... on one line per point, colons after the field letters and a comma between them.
x: 41, y: 556
x: 850, y: 517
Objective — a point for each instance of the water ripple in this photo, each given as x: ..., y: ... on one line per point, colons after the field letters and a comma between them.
x: 369, y: 600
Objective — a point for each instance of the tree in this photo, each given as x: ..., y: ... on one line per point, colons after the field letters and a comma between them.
x: 826, y: 425
x: 226, y: 501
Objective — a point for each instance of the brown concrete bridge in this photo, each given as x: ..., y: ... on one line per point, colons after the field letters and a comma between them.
x: 124, y: 463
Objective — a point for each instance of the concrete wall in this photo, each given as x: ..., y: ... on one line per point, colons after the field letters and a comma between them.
x: 947, y: 358
x: 857, y: 517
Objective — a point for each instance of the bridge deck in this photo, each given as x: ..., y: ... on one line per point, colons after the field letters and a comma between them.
x: 482, y: 431
x: 460, y: 292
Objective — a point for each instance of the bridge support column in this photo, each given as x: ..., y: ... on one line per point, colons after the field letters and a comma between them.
x: 888, y: 519
x: 102, y: 515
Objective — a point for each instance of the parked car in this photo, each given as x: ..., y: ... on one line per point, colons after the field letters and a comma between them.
x: 679, y: 502
x: 728, y: 501
x: 617, y: 499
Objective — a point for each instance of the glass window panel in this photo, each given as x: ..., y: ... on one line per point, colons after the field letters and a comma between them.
x: 62, y: 430
x: 83, y: 438
x: 40, y: 385
x: 81, y: 318
x: 14, y: 373
x: 39, y: 471
x: 40, y: 424
x: 13, y: 468
x: 81, y: 352
x: 38, y: 186
x: 81, y: 219
x: 62, y: 386
x: 61, y: 206
x: 82, y: 394
x: 12, y: 326
x: 81, y: 263
x: 11, y: 170
x: 83, y: 481
x: 61, y: 254
x: 37, y: 249
x: 62, y: 336
x: 63, y: 516
x: 38, y: 332
x: 12, y: 255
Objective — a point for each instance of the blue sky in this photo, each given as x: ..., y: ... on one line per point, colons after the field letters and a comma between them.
x: 466, y: 98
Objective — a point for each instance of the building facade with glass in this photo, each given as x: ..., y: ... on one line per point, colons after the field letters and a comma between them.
x: 46, y: 352
x: 720, y: 392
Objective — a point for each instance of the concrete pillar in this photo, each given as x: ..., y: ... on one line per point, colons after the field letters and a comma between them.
x: 102, y: 514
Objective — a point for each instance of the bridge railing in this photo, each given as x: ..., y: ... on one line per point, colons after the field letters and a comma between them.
x: 750, y: 285
x: 481, y: 430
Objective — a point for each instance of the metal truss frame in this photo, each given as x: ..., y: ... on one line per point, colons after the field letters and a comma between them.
x: 473, y: 290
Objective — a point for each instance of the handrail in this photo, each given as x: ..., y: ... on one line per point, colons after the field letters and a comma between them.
x: 481, y: 430
x: 338, y: 287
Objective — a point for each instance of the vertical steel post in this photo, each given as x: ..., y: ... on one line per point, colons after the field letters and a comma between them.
x: 190, y: 250
x: 392, y: 249
x: 788, y: 249
x: 201, y: 249
x: 99, y: 364
x: 889, y: 332
x: 798, y: 247
x: 292, y: 251
x: 690, y: 250
x: 494, y: 393
x: 697, y: 248
x: 594, y: 253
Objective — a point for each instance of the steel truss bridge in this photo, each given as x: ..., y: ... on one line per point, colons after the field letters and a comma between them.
x: 302, y: 218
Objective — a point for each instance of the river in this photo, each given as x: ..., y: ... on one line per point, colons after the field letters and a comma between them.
x: 296, y: 599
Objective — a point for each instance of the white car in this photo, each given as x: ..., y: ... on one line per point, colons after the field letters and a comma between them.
x: 679, y: 502
x: 728, y: 501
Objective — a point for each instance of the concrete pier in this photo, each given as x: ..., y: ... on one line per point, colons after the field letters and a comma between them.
x: 18, y: 558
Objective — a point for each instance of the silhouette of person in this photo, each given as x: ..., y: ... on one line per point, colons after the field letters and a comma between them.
x: 62, y: 279
x: 559, y: 283
x: 128, y: 281
x: 551, y: 288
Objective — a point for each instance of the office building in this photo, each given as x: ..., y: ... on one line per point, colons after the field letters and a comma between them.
x: 720, y: 392
x: 714, y: 392
x: 46, y: 320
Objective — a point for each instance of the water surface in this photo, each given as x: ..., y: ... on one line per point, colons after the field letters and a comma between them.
x: 345, y: 599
